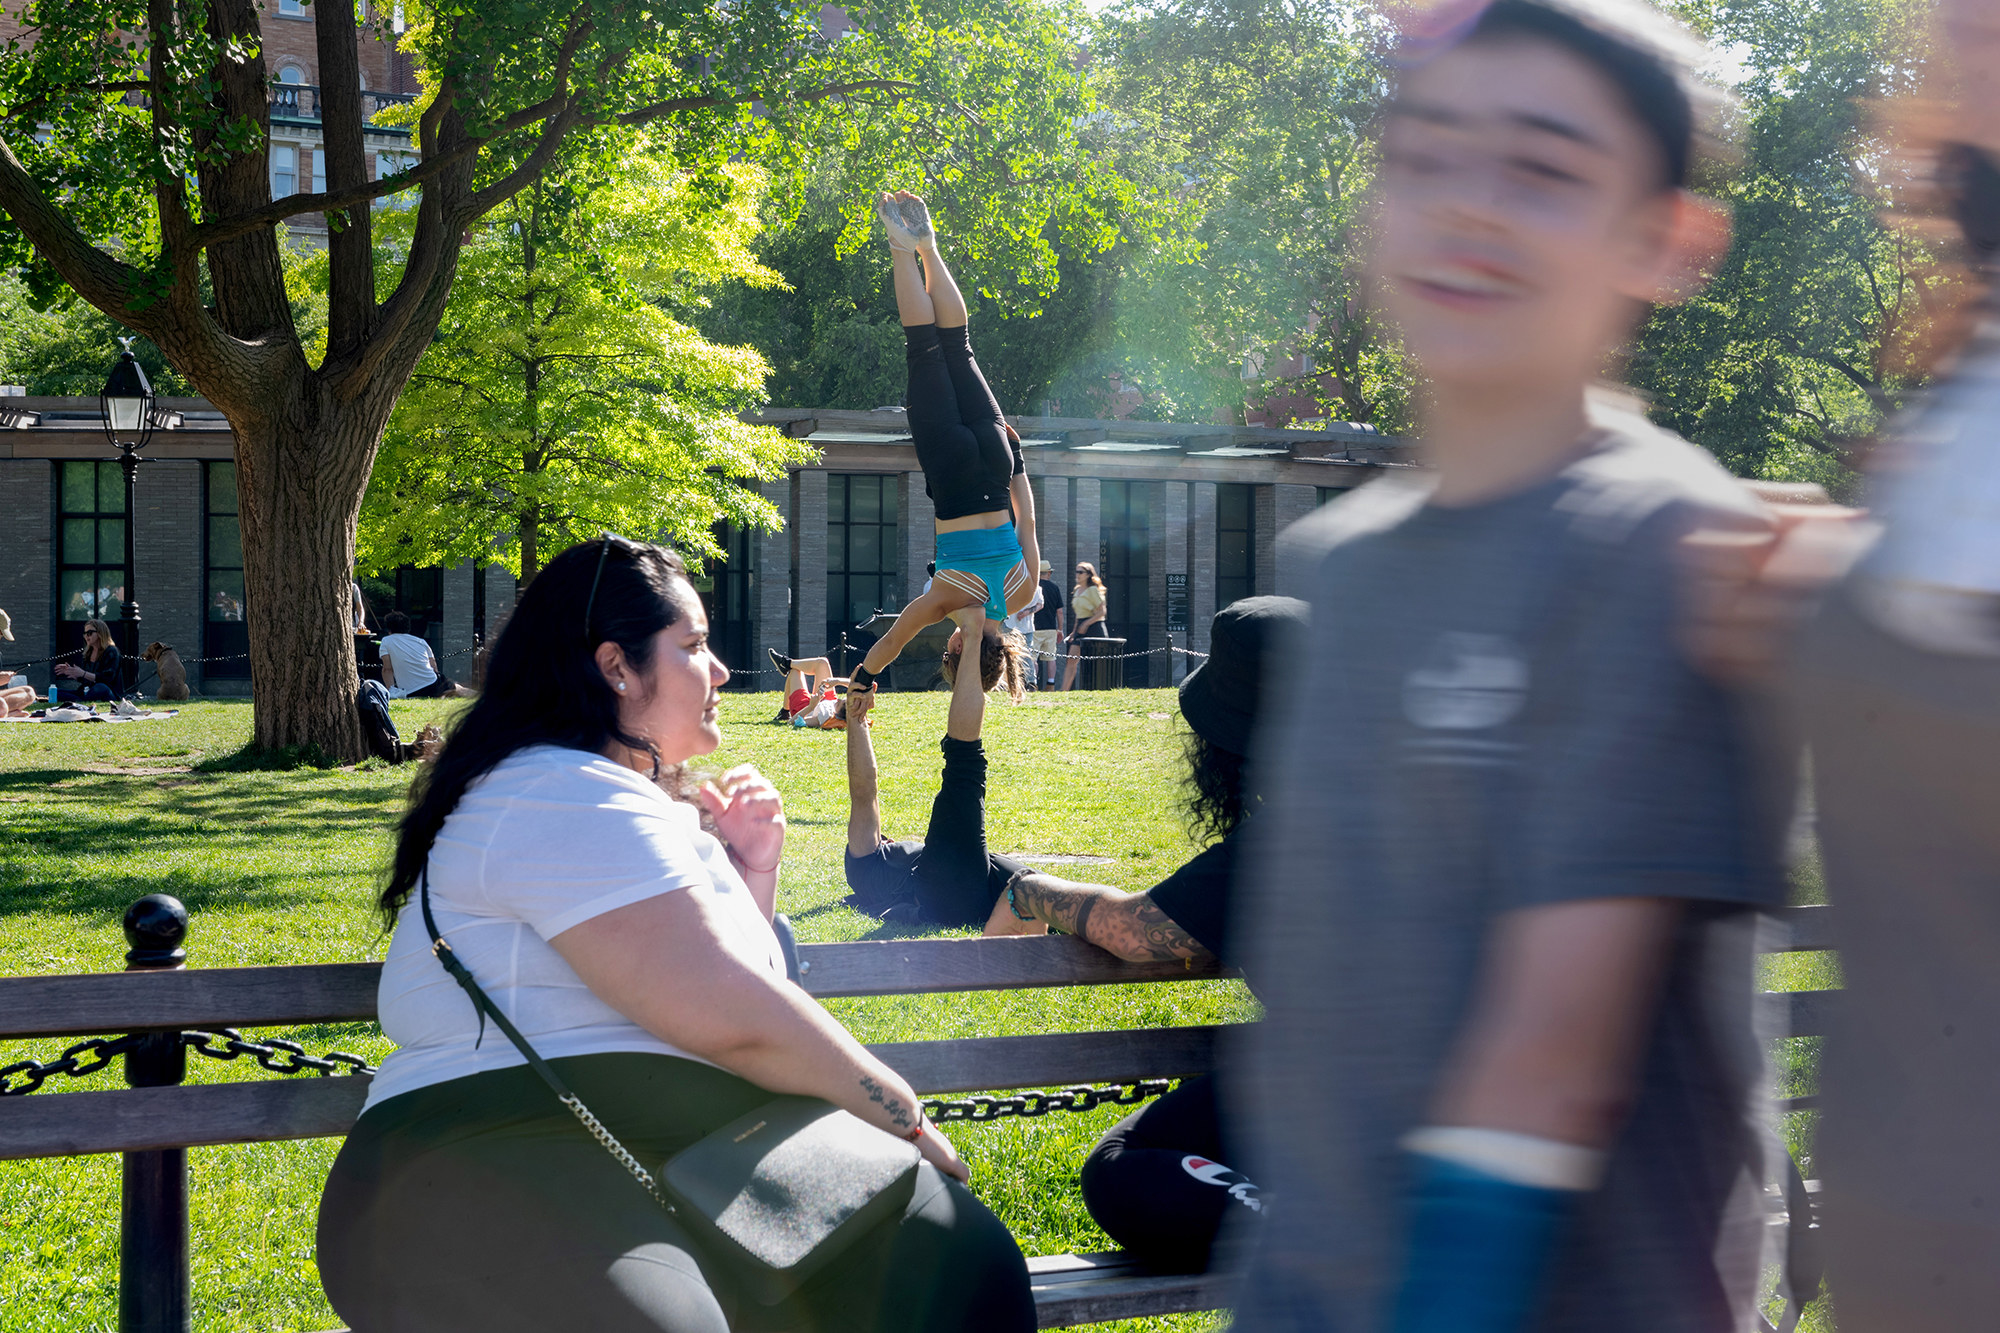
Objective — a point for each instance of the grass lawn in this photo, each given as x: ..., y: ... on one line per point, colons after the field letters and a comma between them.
x: 280, y: 867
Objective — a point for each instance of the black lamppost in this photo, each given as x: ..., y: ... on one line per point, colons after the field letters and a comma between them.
x: 128, y: 423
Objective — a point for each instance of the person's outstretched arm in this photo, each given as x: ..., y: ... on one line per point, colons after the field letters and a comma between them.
x: 864, y: 802
x: 1129, y: 925
x: 968, y: 693
x: 1031, y: 547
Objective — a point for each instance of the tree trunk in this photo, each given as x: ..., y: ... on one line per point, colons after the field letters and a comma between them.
x: 300, y: 476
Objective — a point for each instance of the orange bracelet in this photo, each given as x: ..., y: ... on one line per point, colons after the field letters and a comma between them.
x: 923, y: 1124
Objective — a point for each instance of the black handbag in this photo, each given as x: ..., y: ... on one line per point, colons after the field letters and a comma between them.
x: 776, y: 1193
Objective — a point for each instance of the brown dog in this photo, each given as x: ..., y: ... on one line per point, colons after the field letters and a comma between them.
x: 173, y: 675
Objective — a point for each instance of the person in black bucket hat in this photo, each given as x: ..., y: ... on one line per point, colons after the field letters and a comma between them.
x: 1158, y: 1182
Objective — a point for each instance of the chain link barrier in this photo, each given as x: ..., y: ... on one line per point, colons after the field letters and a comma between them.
x: 289, y: 1057
x: 87, y: 1057
x: 1032, y: 1105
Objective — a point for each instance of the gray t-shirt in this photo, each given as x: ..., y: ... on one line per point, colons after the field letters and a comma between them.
x: 1490, y: 713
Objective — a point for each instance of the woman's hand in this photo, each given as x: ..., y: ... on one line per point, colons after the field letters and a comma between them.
x: 749, y: 817
x: 937, y: 1150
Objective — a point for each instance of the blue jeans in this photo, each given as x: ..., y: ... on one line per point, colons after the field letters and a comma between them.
x: 95, y: 693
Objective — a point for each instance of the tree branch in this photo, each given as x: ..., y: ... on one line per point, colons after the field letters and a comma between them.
x: 350, y: 239
x: 35, y: 105
x: 97, y: 277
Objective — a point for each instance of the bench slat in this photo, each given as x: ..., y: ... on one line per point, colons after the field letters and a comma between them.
x: 1130, y: 1294
x: 916, y: 967
x: 255, y: 997
x: 206, y: 997
x: 204, y: 1114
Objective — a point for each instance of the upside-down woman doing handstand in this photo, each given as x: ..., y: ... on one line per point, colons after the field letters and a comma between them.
x: 971, y: 457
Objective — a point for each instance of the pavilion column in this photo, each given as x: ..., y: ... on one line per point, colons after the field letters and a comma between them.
x: 1170, y: 551
x: 808, y: 561
x: 771, y: 586
x: 1052, y: 527
x: 1264, y: 558
x: 1201, y: 563
x: 1085, y: 511
x: 1290, y: 504
x: 455, y: 657
x: 919, y: 534
x: 27, y: 565
x: 167, y: 548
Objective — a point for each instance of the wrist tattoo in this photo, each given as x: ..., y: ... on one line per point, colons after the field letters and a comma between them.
x: 900, y: 1114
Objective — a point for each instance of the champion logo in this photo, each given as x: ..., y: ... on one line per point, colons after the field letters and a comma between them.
x: 1215, y: 1173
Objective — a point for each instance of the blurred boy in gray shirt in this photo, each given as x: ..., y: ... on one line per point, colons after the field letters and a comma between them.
x: 1501, y: 907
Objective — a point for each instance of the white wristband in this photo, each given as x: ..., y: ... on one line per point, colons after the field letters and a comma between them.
x: 1520, y: 1159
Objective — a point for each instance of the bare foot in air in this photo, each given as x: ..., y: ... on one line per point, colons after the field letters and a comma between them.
x: 888, y: 208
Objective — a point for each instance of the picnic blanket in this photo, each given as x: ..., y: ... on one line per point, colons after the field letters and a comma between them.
x: 147, y: 716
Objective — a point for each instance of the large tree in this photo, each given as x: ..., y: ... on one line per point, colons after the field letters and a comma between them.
x: 134, y: 169
x: 566, y: 394
x: 1787, y: 360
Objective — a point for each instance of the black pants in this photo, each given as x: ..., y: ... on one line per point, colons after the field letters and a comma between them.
x: 1156, y: 1182
x: 957, y: 879
x: 481, y: 1205
x: 956, y: 424
x: 437, y: 689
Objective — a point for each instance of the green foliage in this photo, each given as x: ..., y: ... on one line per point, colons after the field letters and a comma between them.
x: 1254, y: 117
x: 67, y: 348
x: 1786, y: 359
x: 566, y: 393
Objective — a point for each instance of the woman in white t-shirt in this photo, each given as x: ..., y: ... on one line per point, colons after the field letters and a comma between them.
x: 633, y: 947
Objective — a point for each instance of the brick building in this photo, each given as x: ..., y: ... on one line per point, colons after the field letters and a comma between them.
x: 291, y: 59
x: 1179, y: 519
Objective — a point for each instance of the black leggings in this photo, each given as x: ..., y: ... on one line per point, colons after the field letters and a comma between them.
x: 957, y: 879
x: 481, y: 1205
x: 955, y: 420
x: 1157, y: 1184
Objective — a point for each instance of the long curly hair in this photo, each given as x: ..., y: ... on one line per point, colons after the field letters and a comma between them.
x: 1002, y: 655
x: 543, y: 686
x: 1215, y: 799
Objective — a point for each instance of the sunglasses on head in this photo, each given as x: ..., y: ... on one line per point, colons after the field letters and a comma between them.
x: 624, y: 544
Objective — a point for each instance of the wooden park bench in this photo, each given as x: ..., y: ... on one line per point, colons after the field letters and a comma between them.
x: 158, y: 1123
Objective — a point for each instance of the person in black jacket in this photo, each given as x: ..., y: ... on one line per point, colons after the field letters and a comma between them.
x: 96, y: 676
x: 1157, y: 1182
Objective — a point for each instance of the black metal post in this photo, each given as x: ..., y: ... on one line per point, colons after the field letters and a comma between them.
x: 844, y: 648
x: 128, y: 624
x: 153, y: 1228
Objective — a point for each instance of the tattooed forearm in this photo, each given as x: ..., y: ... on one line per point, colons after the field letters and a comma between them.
x: 1126, y: 924
x: 900, y: 1113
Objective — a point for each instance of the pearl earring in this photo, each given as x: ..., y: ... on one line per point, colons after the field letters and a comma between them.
x: 621, y: 687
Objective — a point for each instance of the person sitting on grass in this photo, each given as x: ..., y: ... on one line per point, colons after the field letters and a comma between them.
x: 971, y: 457
x: 410, y: 668
x: 1157, y: 1181
x: 810, y: 692
x: 95, y: 677
x: 621, y: 916
x: 947, y: 877
x: 15, y: 700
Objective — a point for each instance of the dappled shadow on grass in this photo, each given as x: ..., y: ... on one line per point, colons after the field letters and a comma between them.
x: 262, y: 759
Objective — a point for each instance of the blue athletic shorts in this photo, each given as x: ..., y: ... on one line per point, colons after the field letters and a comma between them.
x: 985, y: 562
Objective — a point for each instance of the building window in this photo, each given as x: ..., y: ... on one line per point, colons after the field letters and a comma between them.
x: 725, y: 594
x: 388, y: 164
x: 319, y: 171
x: 90, y: 568
x: 1235, y: 543
x: 1125, y: 555
x: 420, y: 596
x: 225, y: 639
x: 292, y: 8
x: 1328, y: 494
x: 860, y: 557
x: 284, y: 170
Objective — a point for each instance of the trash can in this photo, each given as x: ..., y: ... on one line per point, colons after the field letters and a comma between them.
x: 1103, y: 664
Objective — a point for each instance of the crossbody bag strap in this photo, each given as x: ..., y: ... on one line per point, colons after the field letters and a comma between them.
x: 483, y: 1005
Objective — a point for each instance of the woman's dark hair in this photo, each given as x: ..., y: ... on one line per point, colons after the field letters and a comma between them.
x: 1214, y: 801
x: 1001, y: 656
x: 543, y: 686
x: 1090, y: 573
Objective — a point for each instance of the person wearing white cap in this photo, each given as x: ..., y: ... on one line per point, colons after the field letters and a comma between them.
x: 13, y: 698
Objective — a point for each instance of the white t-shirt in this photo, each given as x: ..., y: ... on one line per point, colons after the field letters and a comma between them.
x: 411, y: 657
x: 549, y: 839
